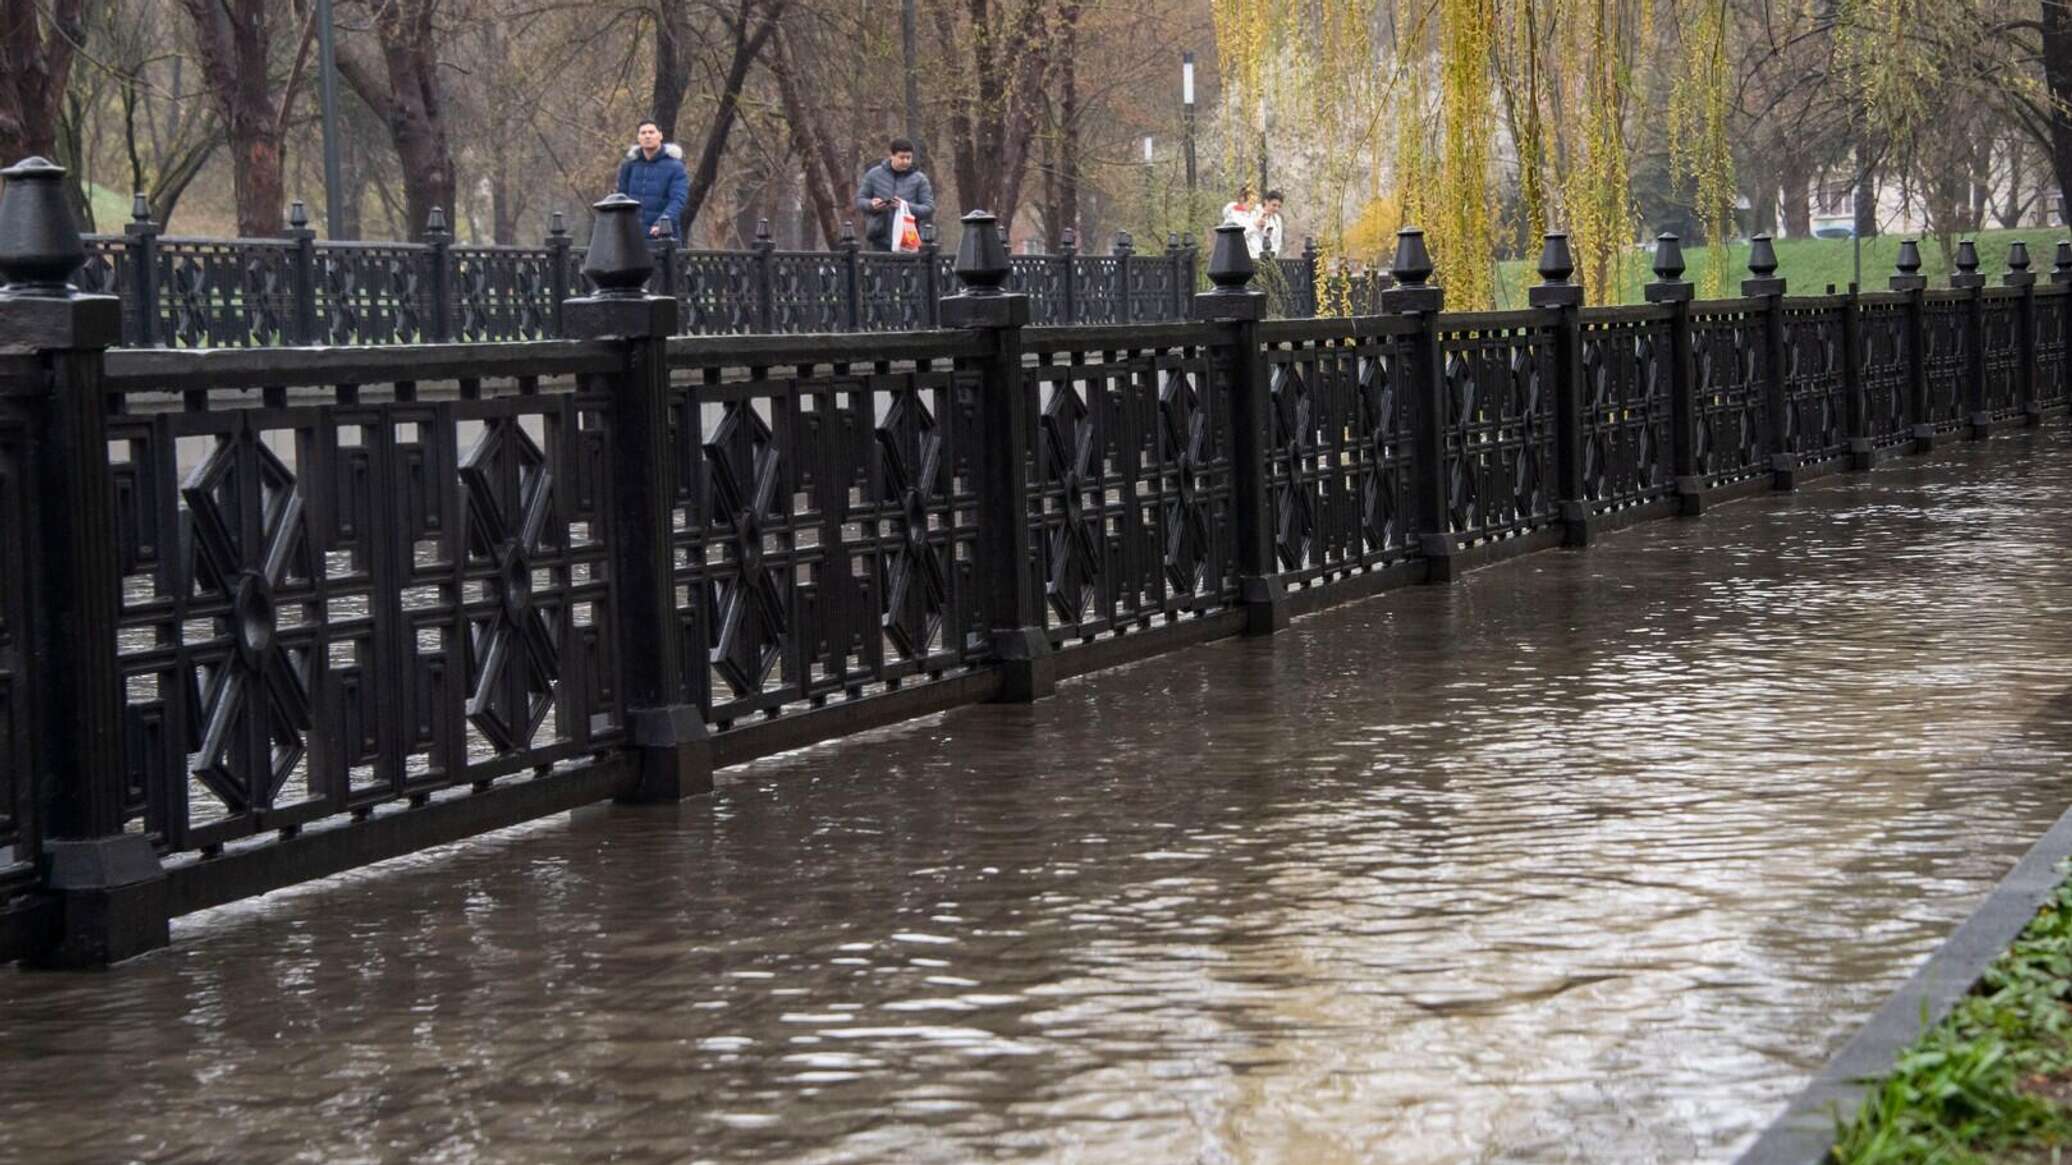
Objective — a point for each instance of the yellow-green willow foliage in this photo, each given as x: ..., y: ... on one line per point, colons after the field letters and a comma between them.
x: 1596, y: 189
x: 1521, y: 76
x: 1463, y: 228
x: 1313, y: 69
x: 1698, y: 147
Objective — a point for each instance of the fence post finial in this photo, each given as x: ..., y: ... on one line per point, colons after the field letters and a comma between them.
x: 1907, y: 268
x: 1967, y: 273
x: 1557, y: 268
x: 2061, y: 264
x: 618, y: 261
x: 2018, y: 273
x: 1762, y: 269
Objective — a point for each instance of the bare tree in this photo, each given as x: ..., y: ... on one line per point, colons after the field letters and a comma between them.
x: 405, y: 92
x: 38, y: 43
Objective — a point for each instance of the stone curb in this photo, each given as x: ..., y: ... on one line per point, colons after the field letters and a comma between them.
x: 1805, y: 1132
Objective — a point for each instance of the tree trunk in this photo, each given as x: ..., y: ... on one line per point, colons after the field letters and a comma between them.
x: 2057, y: 74
x: 1795, y: 206
x: 234, y: 39
x: 826, y: 181
x: 672, y: 66
x: 748, y: 45
x: 410, y: 102
x: 37, y: 46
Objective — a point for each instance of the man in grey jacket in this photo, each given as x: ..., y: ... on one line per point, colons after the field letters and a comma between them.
x: 885, y: 186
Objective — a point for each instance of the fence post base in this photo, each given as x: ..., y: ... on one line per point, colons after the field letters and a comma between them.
x: 672, y: 755
x: 1028, y: 668
x: 1863, y: 456
x: 1784, y: 471
x: 1266, y: 605
x: 1441, y: 556
x: 1690, y: 496
x: 111, y: 902
x: 1578, y: 527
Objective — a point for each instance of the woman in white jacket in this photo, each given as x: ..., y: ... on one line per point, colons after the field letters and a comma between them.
x: 1245, y: 213
x: 1261, y: 220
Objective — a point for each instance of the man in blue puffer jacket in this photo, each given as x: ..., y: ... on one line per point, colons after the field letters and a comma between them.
x: 653, y: 174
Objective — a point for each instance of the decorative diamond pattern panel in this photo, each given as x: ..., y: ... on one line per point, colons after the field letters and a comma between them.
x: 1339, y: 455
x: 1497, y: 436
x: 333, y: 602
x: 1130, y: 492
x: 1731, y: 394
x: 827, y: 542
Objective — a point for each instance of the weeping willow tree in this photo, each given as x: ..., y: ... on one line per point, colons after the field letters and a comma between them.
x: 1597, y: 187
x: 1699, y: 150
x: 1398, y: 103
x: 1464, y: 223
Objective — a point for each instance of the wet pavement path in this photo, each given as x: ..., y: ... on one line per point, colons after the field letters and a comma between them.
x: 1592, y: 856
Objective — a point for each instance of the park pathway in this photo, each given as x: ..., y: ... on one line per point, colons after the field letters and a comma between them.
x: 1593, y: 856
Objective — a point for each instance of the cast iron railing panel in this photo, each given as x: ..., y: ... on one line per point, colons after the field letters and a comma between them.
x: 1040, y: 277
x: 1098, y: 296
x: 716, y: 291
x: 1946, y: 325
x: 808, y: 291
x: 1498, y: 432
x: 826, y: 548
x: 1886, y: 361
x: 1625, y: 407
x: 335, y: 597
x: 2051, y: 302
x: 2003, y: 353
x: 1302, y: 288
x: 1130, y: 486
x: 1730, y: 396
x: 1340, y: 456
x: 1151, y: 288
x: 896, y: 296
x: 225, y: 294
x: 1815, y: 396
x: 503, y: 293
x: 372, y: 293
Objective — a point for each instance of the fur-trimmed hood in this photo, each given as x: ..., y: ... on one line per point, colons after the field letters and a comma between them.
x: 669, y: 149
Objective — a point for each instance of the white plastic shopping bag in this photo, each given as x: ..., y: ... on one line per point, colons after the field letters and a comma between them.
x: 906, y: 233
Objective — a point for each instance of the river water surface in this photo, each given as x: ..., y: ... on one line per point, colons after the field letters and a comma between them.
x: 1593, y: 856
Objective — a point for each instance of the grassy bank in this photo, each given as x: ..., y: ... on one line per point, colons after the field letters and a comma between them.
x: 1993, y: 1081
x: 1808, y: 264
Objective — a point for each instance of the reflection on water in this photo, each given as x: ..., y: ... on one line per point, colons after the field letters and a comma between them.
x: 1593, y: 856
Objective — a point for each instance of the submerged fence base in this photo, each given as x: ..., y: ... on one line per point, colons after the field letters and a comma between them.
x: 270, y: 615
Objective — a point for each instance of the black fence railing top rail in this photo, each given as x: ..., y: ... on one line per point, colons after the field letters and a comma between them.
x: 297, y: 289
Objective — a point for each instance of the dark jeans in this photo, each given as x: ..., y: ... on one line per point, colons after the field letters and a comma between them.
x: 877, y: 245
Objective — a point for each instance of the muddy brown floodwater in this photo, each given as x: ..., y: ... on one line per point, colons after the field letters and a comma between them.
x: 1593, y: 856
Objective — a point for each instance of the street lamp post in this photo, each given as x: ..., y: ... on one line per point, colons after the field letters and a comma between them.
x: 913, y: 83
x: 327, y: 96
x: 1150, y: 190
x: 1187, y: 130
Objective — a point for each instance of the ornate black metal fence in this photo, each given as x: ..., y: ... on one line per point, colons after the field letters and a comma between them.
x: 267, y: 615
x: 299, y: 290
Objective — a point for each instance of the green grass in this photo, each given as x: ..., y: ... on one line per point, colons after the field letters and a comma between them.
x: 111, y: 208
x: 1808, y: 265
x: 1988, y: 1083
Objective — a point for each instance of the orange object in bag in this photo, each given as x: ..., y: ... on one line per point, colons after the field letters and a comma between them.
x: 906, y: 233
